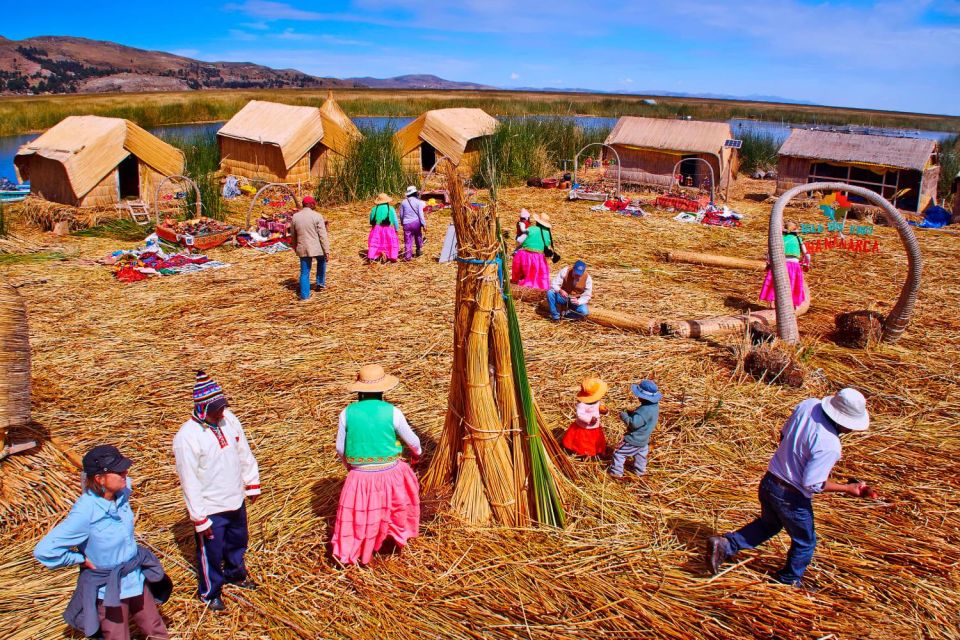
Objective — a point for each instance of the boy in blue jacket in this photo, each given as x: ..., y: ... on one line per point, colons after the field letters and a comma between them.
x: 640, y: 424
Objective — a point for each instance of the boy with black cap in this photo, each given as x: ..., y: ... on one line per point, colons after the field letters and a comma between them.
x: 640, y: 424
x: 217, y: 470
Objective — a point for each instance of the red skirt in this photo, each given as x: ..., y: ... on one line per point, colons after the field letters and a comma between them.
x: 584, y: 442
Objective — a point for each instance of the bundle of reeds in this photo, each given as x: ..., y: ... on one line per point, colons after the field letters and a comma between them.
x: 45, y: 214
x: 495, y: 447
x: 14, y: 362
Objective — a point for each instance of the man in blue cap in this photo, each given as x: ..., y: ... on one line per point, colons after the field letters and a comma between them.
x: 640, y: 424
x: 570, y: 292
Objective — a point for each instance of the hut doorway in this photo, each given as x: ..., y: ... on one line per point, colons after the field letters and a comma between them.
x: 428, y: 156
x: 128, y: 178
x: 690, y: 171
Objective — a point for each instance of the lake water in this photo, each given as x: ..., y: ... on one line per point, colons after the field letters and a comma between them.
x: 775, y: 130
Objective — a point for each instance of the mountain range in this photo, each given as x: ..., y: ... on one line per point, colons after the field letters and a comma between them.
x: 65, y: 64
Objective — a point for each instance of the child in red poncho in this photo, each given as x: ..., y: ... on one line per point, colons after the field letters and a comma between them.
x: 584, y: 436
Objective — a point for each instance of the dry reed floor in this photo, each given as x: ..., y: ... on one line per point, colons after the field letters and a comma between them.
x: 115, y: 362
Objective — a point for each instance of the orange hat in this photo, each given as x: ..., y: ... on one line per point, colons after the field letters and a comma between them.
x: 592, y: 390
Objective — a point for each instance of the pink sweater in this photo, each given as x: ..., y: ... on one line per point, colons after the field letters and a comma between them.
x: 588, y: 415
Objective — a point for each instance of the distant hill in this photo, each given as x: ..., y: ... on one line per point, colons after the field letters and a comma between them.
x: 417, y: 81
x: 61, y: 64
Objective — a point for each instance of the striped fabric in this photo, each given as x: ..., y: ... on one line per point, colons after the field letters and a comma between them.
x: 205, y: 390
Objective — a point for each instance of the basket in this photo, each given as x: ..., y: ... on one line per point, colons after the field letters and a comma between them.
x: 201, y: 243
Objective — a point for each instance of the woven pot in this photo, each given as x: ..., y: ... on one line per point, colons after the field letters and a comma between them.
x: 14, y: 361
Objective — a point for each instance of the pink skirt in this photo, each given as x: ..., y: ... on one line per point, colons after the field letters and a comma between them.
x: 374, y: 505
x: 383, y: 241
x: 530, y: 269
x: 795, y: 271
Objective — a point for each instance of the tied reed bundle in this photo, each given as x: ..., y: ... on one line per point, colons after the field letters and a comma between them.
x: 493, y: 445
x: 14, y: 361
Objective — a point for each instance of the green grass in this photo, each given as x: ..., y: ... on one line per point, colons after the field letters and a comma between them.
x: 372, y: 165
x: 949, y: 168
x: 202, y: 156
x: 24, y: 114
x: 523, y: 148
x: 759, y: 152
x: 120, y: 229
x: 25, y: 258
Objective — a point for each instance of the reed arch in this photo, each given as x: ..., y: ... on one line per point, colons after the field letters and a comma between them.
x: 280, y: 186
x: 179, y: 179
x: 897, y: 320
x: 713, y: 176
x: 576, y: 160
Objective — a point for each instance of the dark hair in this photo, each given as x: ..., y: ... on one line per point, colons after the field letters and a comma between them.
x: 369, y: 395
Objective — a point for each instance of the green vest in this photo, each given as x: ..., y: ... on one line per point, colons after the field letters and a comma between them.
x: 371, y: 438
x: 537, y: 239
x: 791, y: 245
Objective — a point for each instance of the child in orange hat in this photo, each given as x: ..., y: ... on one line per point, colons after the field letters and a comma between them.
x: 584, y: 436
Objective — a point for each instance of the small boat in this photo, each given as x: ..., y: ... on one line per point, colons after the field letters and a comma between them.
x: 14, y: 192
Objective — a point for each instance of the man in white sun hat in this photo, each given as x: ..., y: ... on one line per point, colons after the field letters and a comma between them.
x: 809, y: 447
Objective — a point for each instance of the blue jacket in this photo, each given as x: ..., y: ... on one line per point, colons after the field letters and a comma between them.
x: 640, y: 423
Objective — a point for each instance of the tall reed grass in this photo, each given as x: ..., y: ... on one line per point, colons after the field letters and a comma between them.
x: 528, y: 147
x: 759, y: 152
x: 24, y: 114
x: 949, y: 168
x: 202, y: 155
x: 3, y: 222
x: 372, y: 165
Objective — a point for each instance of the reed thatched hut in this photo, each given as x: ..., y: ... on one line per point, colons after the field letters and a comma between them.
x: 884, y: 164
x: 649, y: 149
x: 452, y: 133
x: 283, y: 143
x: 91, y: 161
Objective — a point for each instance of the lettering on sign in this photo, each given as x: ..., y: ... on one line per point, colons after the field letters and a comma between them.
x: 837, y: 227
x: 842, y: 244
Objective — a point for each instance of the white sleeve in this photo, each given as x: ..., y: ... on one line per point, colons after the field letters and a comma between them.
x: 248, y: 464
x: 558, y: 279
x: 342, y: 433
x: 587, y: 291
x: 187, y: 465
x: 402, y: 427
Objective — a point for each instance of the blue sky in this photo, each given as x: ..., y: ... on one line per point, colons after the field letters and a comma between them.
x: 901, y: 55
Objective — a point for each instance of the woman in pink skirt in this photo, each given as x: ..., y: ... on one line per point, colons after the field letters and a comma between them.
x: 381, y: 495
x: 797, y: 260
x: 383, y: 241
x: 530, y: 268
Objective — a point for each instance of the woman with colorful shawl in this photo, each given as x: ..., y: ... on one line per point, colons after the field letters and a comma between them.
x: 383, y: 241
x: 381, y: 495
x: 530, y: 268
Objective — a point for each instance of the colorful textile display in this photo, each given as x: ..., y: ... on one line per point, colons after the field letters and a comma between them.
x: 151, y: 260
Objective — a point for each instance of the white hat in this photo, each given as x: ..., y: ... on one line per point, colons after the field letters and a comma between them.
x: 411, y: 190
x: 848, y: 408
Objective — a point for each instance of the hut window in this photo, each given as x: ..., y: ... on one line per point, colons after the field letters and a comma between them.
x: 128, y: 178
x: 825, y: 170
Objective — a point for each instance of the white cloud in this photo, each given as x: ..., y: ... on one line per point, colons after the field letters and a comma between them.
x: 290, y: 34
x: 186, y: 53
x: 239, y: 34
x: 627, y: 81
x: 258, y: 26
x: 514, y: 76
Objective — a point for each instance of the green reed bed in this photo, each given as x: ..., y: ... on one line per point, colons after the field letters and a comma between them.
x: 949, y: 167
x: 759, y: 151
x: 372, y: 165
x: 523, y: 148
x: 202, y: 155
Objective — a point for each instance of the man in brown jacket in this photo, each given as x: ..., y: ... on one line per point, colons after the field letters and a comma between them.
x: 308, y: 235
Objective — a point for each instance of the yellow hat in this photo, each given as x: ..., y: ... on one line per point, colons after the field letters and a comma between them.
x: 592, y: 390
x: 373, y: 379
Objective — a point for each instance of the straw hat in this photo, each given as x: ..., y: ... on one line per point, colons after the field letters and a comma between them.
x: 383, y: 199
x: 373, y: 379
x: 542, y: 219
x: 591, y: 390
x: 848, y: 409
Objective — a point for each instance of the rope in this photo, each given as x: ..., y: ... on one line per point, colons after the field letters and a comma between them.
x: 497, y: 261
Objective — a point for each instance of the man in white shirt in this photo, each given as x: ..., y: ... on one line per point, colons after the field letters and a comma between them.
x: 809, y: 447
x: 217, y: 471
x: 570, y: 292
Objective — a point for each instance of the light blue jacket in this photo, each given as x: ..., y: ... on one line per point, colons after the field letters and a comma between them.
x: 98, y: 529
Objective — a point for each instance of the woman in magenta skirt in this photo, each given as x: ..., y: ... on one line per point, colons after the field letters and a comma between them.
x: 530, y: 268
x: 797, y: 260
x: 381, y: 495
x: 383, y: 241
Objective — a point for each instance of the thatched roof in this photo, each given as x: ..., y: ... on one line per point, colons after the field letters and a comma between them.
x: 90, y: 147
x: 670, y: 135
x: 835, y: 146
x: 294, y: 129
x: 338, y: 128
x: 447, y: 130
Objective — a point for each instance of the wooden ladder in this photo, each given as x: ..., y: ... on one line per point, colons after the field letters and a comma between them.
x: 139, y: 211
